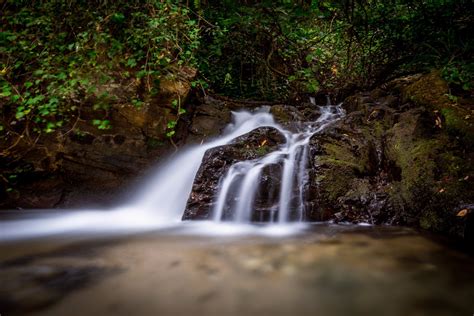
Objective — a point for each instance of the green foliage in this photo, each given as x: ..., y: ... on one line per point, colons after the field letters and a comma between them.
x: 460, y: 75
x: 280, y: 49
x: 57, y: 57
x: 101, y: 124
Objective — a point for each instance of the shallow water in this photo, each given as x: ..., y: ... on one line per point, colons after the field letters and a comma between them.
x: 238, y: 270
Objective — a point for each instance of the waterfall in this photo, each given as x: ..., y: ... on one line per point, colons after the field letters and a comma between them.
x: 164, y: 196
x: 244, y: 177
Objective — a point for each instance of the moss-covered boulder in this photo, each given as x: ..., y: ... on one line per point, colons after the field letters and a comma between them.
x: 396, y: 158
x: 455, y: 114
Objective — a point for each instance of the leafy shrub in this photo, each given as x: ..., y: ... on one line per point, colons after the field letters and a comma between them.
x: 57, y: 56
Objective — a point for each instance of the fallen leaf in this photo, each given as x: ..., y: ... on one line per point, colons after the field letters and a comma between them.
x: 441, y: 190
x: 462, y: 212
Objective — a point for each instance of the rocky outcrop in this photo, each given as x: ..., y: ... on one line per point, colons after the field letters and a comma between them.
x: 395, y: 159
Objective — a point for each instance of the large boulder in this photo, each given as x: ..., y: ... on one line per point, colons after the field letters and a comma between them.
x: 216, y: 163
x: 394, y: 159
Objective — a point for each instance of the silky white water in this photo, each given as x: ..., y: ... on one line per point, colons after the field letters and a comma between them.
x: 162, y: 200
x: 239, y: 186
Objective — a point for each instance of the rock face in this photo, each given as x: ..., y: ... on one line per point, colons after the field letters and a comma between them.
x: 216, y: 163
x: 395, y: 159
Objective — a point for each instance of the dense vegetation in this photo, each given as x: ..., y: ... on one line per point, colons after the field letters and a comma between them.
x: 55, y: 55
x: 267, y: 49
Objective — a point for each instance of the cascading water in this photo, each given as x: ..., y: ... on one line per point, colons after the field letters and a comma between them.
x: 164, y: 197
x: 239, y: 186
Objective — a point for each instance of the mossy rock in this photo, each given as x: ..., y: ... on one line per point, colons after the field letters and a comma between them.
x: 432, y: 92
x: 286, y: 114
x: 398, y: 157
x: 338, y: 155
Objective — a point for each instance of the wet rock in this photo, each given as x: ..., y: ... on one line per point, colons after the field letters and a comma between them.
x: 285, y: 114
x: 268, y: 194
x: 33, y: 287
x: 346, y: 175
x: 389, y: 161
x: 213, y: 113
x: 209, y: 119
x: 469, y: 230
x: 432, y: 92
x: 216, y: 163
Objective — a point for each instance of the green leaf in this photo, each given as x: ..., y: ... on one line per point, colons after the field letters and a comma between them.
x: 137, y: 103
x: 38, y: 72
x: 141, y: 74
x: 131, y: 62
x: 5, y: 93
x: 62, y: 76
x: 19, y: 115
x: 102, y: 124
x: 118, y: 17
x: 171, y: 124
x: 50, y: 127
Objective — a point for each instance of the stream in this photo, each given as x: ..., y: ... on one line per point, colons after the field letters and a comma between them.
x: 196, y: 269
x: 141, y: 258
